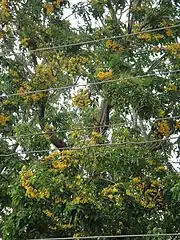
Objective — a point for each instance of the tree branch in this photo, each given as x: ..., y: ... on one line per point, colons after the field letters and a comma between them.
x: 103, y: 118
x: 52, y: 137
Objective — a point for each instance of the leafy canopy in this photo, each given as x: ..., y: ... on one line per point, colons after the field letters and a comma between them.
x: 106, y: 168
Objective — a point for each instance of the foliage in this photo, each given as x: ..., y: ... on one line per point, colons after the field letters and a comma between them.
x: 94, y: 159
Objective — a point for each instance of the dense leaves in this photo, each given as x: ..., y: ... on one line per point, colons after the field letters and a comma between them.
x: 85, y: 129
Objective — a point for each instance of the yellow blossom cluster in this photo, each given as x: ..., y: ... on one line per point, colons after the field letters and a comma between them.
x: 150, y: 37
x: 138, y: 9
x: 48, y: 131
x: 9, y: 102
x: 15, y: 76
x: 60, y: 160
x: 43, y: 79
x: 113, y: 194
x: 96, y: 3
x: 48, y: 8
x: 44, y: 193
x: 136, y: 180
x: 25, y: 41
x: 48, y: 213
x: 110, y: 190
x: 160, y: 169
x: 44, y: 76
x: 83, y: 199
x: 59, y: 164
x: 57, y: 2
x: 82, y: 99
x: 151, y: 162
x: 169, y: 32
x: 57, y: 199
x: 32, y: 192
x: 96, y: 137
x: 35, y: 97
x: 114, y: 46
x: 171, y: 88
x: 3, y: 119
x: 25, y: 183
x: 56, y: 221
x: 104, y: 75
x: 149, y: 194
x: 4, y: 12
x: 173, y: 48
x: 75, y: 65
x: 59, y: 226
x: 163, y: 128
x: 177, y: 124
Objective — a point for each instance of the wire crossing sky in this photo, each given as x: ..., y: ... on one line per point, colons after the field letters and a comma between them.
x: 89, y: 128
x: 88, y: 84
x: 103, y: 39
x: 91, y: 146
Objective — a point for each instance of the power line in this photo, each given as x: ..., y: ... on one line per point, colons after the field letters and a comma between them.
x: 89, y: 146
x: 87, y: 128
x: 102, y: 39
x: 98, y: 40
x: 88, y: 84
x: 112, y: 236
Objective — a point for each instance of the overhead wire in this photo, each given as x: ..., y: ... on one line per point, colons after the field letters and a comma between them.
x: 88, y: 84
x: 113, y: 236
x: 98, y: 40
x: 86, y: 128
x: 95, y: 83
x: 103, y: 39
x: 89, y: 146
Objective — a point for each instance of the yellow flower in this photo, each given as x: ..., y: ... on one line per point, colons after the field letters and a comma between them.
x: 114, y: 46
x: 57, y: 2
x: 173, y: 48
x: 48, y: 213
x: 47, y: 134
x: 160, y: 168
x: 104, y: 75
x: 3, y: 119
x: 114, y: 190
x: 163, y: 128
x: 66, y: 226
x: 171, y: 87
x: 36, y: 96
x: 5, y: 13
x: 145, y: 36
x: 44, y: 194
x: 31, y: 192
x: 178, y: 124
x: 136, y: 180
x: 48, y: 8
x: 169, y: 32
x: 100, y: 76
x: 109, y: 43
x: 25, y: 41
x: 157, y: 36
x: 151, y: 162
x: 81, y: 99
x: 77, y: 200
x: 110, y: 196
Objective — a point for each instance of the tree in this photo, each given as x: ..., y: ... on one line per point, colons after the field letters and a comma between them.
x: 89, y: 160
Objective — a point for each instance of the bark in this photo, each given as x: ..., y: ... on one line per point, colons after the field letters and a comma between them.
x: 59, y: 143
x: 103, y: 119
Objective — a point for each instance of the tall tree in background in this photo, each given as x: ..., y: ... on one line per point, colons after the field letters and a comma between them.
x: 92, y: 160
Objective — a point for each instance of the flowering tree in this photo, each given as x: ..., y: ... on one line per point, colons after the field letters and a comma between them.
x: 94, y: 159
